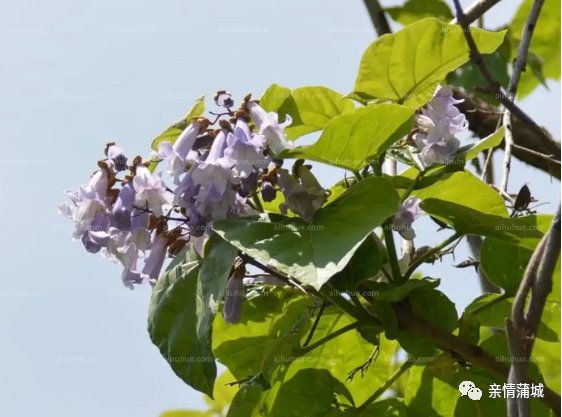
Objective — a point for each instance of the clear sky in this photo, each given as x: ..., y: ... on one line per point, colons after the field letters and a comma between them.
x: 73, y: 340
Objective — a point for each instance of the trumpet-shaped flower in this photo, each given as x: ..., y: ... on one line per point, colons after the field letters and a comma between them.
x: 407, y: 213
x: 269, y: 126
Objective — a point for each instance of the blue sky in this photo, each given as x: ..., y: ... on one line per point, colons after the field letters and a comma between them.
x: 77, y: 74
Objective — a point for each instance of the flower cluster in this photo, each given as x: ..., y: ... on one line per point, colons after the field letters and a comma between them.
x: 216, y: 174
x: 439, y: 123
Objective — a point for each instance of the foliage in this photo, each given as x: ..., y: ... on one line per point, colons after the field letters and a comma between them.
x: 323, y: 330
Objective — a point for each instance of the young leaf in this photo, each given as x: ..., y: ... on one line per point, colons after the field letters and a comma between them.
x: 355, y: 139
x: 471, y: 151
x: 314, y: 252
x: 414, y: 10
x: 407, y: 67
x: 310, y: 108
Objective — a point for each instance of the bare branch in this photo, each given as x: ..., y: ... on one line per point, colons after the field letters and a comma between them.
x: 483, y: 120
x: 548, y: 158
x: 493, y: 84
x: 518, y: 67
x: 377, y: 17
x: 523, y: 325
x: 476, y: 10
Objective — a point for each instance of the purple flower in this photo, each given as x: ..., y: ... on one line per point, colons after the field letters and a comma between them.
x: 303, y: 198
x: 178, y: 154
x: 407, y: 213
x: 88, y: 201
x: 149, y: 191
x: 116, y: 157
x: 269, y: 126
x: 214, y: 174
x: 121, y: 211
x: 439, y: 122
x: 245, y: 150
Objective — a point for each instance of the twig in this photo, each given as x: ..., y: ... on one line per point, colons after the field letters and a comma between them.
x: 484, y: 124
x: 518, y: 67
x: 388, y: 383
x: 523, y: 325
x: 429, y: 254
x: 377, y: 17
x: 493, y: 84
x: 470, y: 353
x: 476, y: 10
x: 549, y: 158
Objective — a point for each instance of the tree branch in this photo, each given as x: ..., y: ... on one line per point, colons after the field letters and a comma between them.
x: 483, y: 120
x: 523, y: 325
x: 493, y: 84
x: 518, y: 67
x: 471, y: 353
x: 476, y: 10
x: 377, y: 17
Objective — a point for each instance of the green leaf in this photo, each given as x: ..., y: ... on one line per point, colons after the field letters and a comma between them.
x: 314, y: 252
x: 364, y: 264
x: 182, y: 308
x: 469, y: 328
x: 433, y: 390
x: 469, y: 77
x: 462, y: 188
x: 354, y: 139
x: 471, y: 151
x: 435, y: 308
x: 172, y: 133
x: 419, y: 347
x: 264, y: 342
x: 545, y: 43
x: 523, y: 231
x: 310, y: 108
x: 407, y: 67
x: 385, y: 291
x: 495, y: 316
x: 505, y: 265
x: 224, y: 393
x: 390, y: 407
x: 414, y: 10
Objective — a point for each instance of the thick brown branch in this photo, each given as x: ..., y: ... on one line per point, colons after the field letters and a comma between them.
x: 483, y: 120
x: 472, y: 354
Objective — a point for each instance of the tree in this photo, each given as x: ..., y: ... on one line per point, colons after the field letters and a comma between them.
x: 320, y: 313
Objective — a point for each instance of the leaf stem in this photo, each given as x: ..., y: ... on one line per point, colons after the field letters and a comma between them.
x: 413, y: 186
x: 397, y: 277
x: 490, y: 303
x: 430, y: 254
x: 329, y: 337
x: 382, y: 389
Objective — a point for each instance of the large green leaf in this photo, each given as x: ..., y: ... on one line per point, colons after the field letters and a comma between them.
x: 407, y: 67
x: 495, y: 316
x: 435, y: 308
x: 545, y: 43
x: 314, y: 252
x: 505, y: 265
x: 309, y: 107
x: 384, y: 291
x: 414, y: 10
x: 274, y: 326
x: 523, y: 231
x: 172, y: 133
x: 462, y: 188
x: 182, y: 308
x: 353, y: 140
